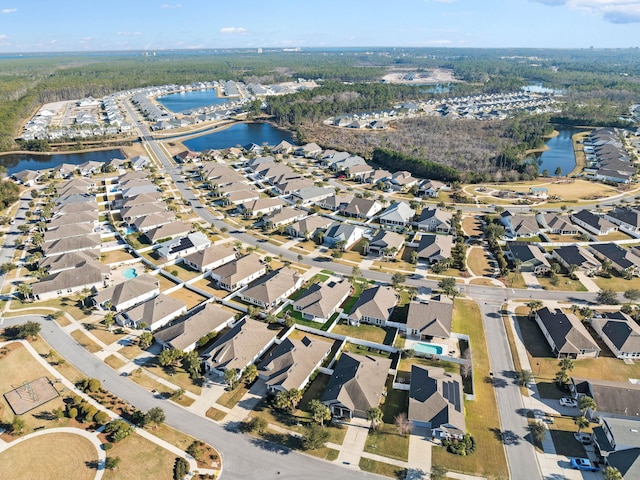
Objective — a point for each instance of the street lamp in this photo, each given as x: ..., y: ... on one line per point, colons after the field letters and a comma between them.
x: 539, y: 367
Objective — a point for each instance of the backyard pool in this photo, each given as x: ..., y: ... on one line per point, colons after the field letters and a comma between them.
x: 129, y: 273
x: 129, y: 230
x: 428, y: 348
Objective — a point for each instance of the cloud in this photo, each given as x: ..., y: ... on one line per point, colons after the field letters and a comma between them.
x: 612, y: 11
x: 128, y: 34
x: 167, y: 5
x: 86, y: 39
x: 54, y: 41
x: 9, y: 10
x: 234, y: 30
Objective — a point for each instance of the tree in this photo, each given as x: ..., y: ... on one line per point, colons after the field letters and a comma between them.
x: 612, y: 473
x: 25, y: 331
x: 109, y: 320
x: 558, y: 172
x: 180, y: 469
x: 17, y: 426
x: 231, y: 377
x: 374, y: 415
x: 25, y: 291
x: 192, y: 365
x: 448, y: 286
x: 319, y: 411
x: 397, y: 279
x: 271, y: 318
x: 118, y: 430
x: 632, y: 294
x: 156, y: 416
x: 586, y: 403
x: 534, y: 305
x: 111, y: 463
x: 538, y: 431
x: 253, y: 311
x: 525, y: 377
x: 170, y: 357
x: 581, y: 422
x: 250, y: 373
x: 561, y: 378
x: 145, y: 339
x: 414, y: 257
x: 356, y: 271
x: 257, y: 424
x: 607, y: 296
x: 315, y: 437
x: 402, y: 423
x: 288, y: 399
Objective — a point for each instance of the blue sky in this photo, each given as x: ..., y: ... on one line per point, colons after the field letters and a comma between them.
x: 75, y: 25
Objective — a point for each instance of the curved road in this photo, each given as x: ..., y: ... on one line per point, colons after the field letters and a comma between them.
x: 244, y: 458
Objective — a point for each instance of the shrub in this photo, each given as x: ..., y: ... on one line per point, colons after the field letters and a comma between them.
x: 73, y: 412
x: 463, y: 447
x: 107, y: 446
x: 101, y: 417
x: 180, y: 469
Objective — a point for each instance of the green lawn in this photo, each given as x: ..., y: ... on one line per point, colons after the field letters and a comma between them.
x: 396, y: 402
x: 565, y: 284
x: 386, y: 441
x: 230, y: 398
x: 370, y: 333
x: 489, y: 459
x: 381, y: 468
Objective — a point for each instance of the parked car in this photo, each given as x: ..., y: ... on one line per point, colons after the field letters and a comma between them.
x: 583, y: 464
x: 568, y: 402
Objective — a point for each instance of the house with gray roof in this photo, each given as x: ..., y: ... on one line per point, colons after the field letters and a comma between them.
x: 27, y: 177
x: 357, y: 384
x: 566, y: 335
x: 436, y: 401
x: 374, y: 305
x: 618, y: 441
x: 168, y: 230
x: 433, y: 219
x: 239, y: 272
x: 210, y: 258
x: 343, y: 232
x: 518, y: 226
x: 91, y: 217
x: 149, y: 222
x: 593, y: 223
x: 627, y: 218
x: 247, y: 340
x: 430, y: 188
x: 183, y: 246
x: 556, y: 224
x: 89, y: 275
x: 155, y: 312
x: 361, y: 207
x: 67, y: 231
x: 435, y: 248
x: 321, y: 300
x: 613, y: 399
x: 578, y: 256
x: 284, y: 217
x: 71, y: 244
x: 398, y: 215
x: 185, y: 334
x: 313, y: 194
x: 130, y: 213
x: 262, y: 206
x: 625, y: 261
x: 309, y: 227
x: 273, y: 288
x: 57, y: 263
x: 428, y: 320
x: 620, y: 333
x: 291, y: 363
x: 129, y: 293
x: 530, y: 257
x: 386, y: 243
x: 336, y: 201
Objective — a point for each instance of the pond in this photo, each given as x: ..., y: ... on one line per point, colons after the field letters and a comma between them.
x: 15, y: 162
x: 239, y: 135
x: 183, y: 101
x: 560, y: 153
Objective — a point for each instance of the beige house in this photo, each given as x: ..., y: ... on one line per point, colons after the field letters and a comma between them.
x: 273, y: 289
x: 210, y: 258
x: 155, y: 312
x: 127, y: 294
x: 89, y: 275
x: 374, y: 305
x: 320, y: 301
x: 238, y: 273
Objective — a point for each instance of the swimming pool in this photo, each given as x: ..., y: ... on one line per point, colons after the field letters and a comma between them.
x: 129, y: 230
x: 428, y: 348
x: 129, y: 273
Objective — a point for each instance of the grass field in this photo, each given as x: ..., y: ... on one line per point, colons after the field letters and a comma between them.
x: 116, y: 256
x: 386, y: 441
x: 489, y: 459
x: 382, y: 468
x: 28, y: 460
x: 478, y: 262
x: 80, y: 337
x: 616, y: 282
x: 215, y: 414
x: 184, y: 273
x: 69, y: 305
x: 565, y: 284
x: 576, y: 190
x: 178, y: 377
x: 140, y: 459
x: 230, y: 398
x: 471, y: 226
x: 114, y: 362
x: 370, y: 333
x: 165, y: 283
x: 189, y: 297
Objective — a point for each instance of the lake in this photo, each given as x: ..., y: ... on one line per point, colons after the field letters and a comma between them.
x: 560, y: 153
x: 183, y: 101
x: 239, y: 135
x: 15, y: 162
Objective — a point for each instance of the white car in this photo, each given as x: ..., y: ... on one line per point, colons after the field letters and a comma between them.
x: 568, y: 402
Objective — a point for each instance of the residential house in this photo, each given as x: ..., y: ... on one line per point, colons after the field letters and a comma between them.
x: 593, y: 223
x: 529, y: 258
x: 273, y: 288
x: 140, y: 162
x: 68, y: 261
x: 402, y: 180
x: 155, y: 312
x: 131, y: 213
x: 556, y: 224
x: 291, y: 363
x: 361, y: 207
x: 360, y: 173
x: 291, y: 186
x: 575, y: 256
x: 155, y: 220
x: 284, y: 217
x: 618, y: 441
x: 399, y: 214
x: 311, y: 195
x: 336, y: 202
x: 210, y: 258
x: 343, y: 232
x: 67, y: 231
x: 357, y: 385
x: 183, y: 246
x: 566, y: 335
x: 184, y: 335
x: 433, y: 219
x: 238, y: 273
x: 127, y: 294
x: 90, y: 217
x: 241, y: 346
x: 627, y: 218
x: 374, y: 305
x: 27, y: 177
x: 262, y: 206
x: 187, y: 156
x: 613, y: 399
x: 436, y: 402
x: 321, y: 300
x: 309, y: 150
x: 240, y: 197
x: 435, y: 248
x: 429, y: 320
x: 518, y: 226
x: 620, y: 332
x: 623, y: 260
x: 309, y: 227
x: 377, y: 176
x: 283, y: 148
x: 430, y: 188
x: 168, y: 230
x: 71, y: 244
x: 87, y: 275
x: 386, y: 243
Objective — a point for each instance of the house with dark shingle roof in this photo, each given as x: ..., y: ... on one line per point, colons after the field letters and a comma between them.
x: 613, y: 399
x: 623, y: 260
x: 530, y: 256
x: 628, y: 219
x: 593, y: 223
x: 433, y: 219
x: 386, y: 243
x: 436, y: 401
x: 357, y: 384
x: 566, y: 335
x: 428, y: 320
x: 620, y: 333
x: 362, y: 208
x: 578, y: 256
x: 291, y: 364
x: 556, y: 224
x: 435, y: 248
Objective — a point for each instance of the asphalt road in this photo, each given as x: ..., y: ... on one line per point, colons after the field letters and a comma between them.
x: 7, y: 250
x: 244, y: 458
x: 513, y: 420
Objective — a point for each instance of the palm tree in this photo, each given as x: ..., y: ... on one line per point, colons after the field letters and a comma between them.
x: 108, y: 320
x: 25, y: 290
x: 566, y: 364
x: 374, y: 415
x: 586, y: 403
x: 534, y: 305
x: 561, y: 378
x: 365, y: 246
x: 581, y: 422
